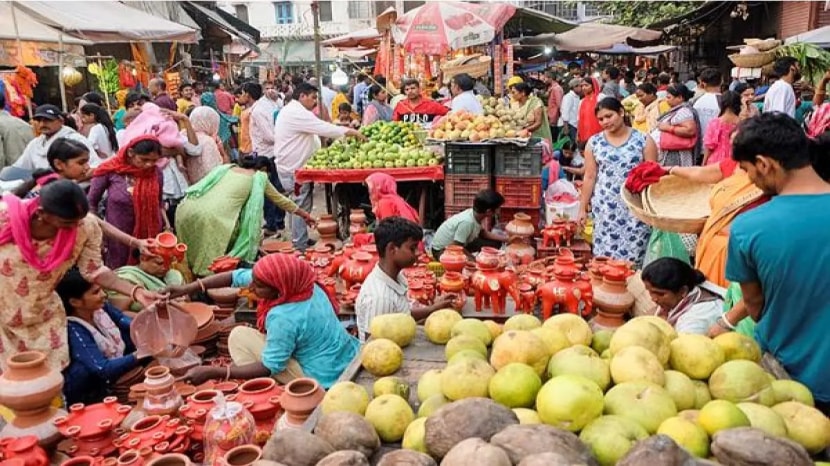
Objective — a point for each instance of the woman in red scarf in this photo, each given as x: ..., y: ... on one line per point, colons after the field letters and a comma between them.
x: 588, y: 124
x: 40, y: 239
x: 133, y: 183
x: 383, y: 193
x: 298, y: 334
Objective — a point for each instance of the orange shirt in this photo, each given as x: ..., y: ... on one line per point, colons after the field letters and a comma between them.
x: 245, y: 146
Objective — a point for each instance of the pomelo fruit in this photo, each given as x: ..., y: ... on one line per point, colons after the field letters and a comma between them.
x: 741, y: 380
x: 431, y: 404
x: 391, y: 386
x: 381, y: 357
x: 413, y: 436
x: 554, y: 340
x: 345, y: 396
x: 791, y: 390
x: 574, y: 327
x: 805, y: 425
x: 398, y: 327
x: 718, y: 415
x: 764, y: 418
x: 464, y: 342
x: 642, y: 402
x: 466, y: 354
x: 687, y: 434
x: 390, y: 415
x: 522, y: 322
x: 580, y: 360
x: 610, y: 437
x: 466, y: 379
x: 438, y: 326
x: 642, y: 334
x: 494, y: 327
x: 690, y: 415
x: 519, y: 346
x: 681, y: 389
x: 738, y: 346
x: 429, y: 384
x: 569, y: 402
x: 661, y: 323
x: 474, y: 328
x: 527, y: 416
x: 601, y: 340
x: 695, y: 355
x: 702, y: 395
x: 633, y: 363
x: 515, y: 386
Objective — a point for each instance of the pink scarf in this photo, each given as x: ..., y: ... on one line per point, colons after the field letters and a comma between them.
x: 17, y: 230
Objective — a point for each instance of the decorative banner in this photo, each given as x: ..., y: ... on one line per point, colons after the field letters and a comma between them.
x: 39, y: 54
x: 498, y: 70
x: 509, y: 59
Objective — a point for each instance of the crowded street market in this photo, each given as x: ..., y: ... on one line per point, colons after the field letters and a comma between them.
x: 481, y: 235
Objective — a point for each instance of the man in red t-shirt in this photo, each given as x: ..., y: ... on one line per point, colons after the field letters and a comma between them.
x: 415, y: 108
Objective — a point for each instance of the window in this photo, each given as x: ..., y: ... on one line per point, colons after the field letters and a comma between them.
x: 381, y: 6
x: 592, y: 9
x: 411, y: 5
x: 283, y: 12
x: 360, y: 10
x: 564, y: 10
x: 325, y: 11
x: 242, y: 12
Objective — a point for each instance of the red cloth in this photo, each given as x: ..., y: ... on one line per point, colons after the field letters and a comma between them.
x: 292, y: 278
x: 588, y: 125
x: 18, y: 230
x: 383, y: 192
x: 425, y: 111
x: 224, y: 101
x: 727, y: 167
x: 643, y: 175
x: 147, y: 190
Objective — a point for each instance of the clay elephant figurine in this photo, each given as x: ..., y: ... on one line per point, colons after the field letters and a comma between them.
x: 527, y: 298
x: 491, y: 289
x: 567, y: 296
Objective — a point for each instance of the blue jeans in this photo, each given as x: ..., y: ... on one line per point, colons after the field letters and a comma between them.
x: 304, y: 200
x: 274, y: 216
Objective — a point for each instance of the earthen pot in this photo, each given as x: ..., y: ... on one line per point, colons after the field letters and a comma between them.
x: 453, y: 258
x: 224, y: 296
x: 27, y: 449
x: 489, y: 259
x: 261, y: 397
x: 243, y: 455
x: 300, y: 398
x: 356, y: 269
x: 521, y: 226
x: 130, y: 458
x: 161, y: 397
x: 28, y: 387
x: 327, y: 228
x: 520, y: 252
x: 612, y: 299
x: 273, y: 245
x: 170, y: 459
x: 80, y: 461
x: 357, y: 222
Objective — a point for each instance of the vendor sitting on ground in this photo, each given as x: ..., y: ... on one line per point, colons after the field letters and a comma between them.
x: 385, y: 289
x: 298, y: 333
x: 465, y: 227
x: 681, y: 295
x: 100, y: 349
x: 152, y: 273
x: 386, y: 202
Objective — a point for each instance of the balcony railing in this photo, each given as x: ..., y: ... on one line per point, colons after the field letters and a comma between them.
x: 303, y: 29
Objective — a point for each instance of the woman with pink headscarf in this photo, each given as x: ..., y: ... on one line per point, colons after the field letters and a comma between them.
x: 205, y: 122
x: 383, y: 193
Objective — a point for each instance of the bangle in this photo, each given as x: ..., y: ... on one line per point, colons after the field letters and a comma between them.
x: 133, y: 292
x: 201, y: 285
x: 228, y: 373
x: 724, y: 322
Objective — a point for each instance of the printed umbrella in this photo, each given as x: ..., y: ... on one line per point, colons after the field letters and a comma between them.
x: 438, y: 27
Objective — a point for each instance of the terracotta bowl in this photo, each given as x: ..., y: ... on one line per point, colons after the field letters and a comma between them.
x: 224, y: 295
x: 273, y: 245
x: 203, y: 313
x: 198, y: 350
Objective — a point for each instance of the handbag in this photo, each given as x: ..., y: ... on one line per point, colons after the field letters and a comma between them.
x: 673, y: 142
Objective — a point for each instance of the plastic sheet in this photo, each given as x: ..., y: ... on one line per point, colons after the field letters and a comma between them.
x: 163, y: 331
x: 228, y: 425
x: 358, y: 175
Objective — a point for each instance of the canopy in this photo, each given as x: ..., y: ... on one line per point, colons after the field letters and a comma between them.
x: 355, y: 53
x: 591, y: 37
x: 286, y: 53
x: 29, y: 28
x: 530, y: 22
x: 369, y: 37
x: 819, y: 37
x: 625, y: 49
x: 106, y: 21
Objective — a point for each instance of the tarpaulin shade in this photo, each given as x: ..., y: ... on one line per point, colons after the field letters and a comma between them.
x: 819, y: 37
x: 29, y: 28
x: 106, y: 22
x: 625, y: 49
x: 369, y: 37
x: 590, y: 37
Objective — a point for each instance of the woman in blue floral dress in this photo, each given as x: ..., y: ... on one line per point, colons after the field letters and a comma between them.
x: 609, y: 157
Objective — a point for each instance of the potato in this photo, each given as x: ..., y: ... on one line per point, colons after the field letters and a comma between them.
x: 659, y: 449
x: 293, y: 447
x: 748, y: 446
x: 463, y: 419
x: 406, y: 458
x: 475, y: 452
x: 345, y: 458
x: 521, y: 441
x: 549, y: 459
x: 348, y: 431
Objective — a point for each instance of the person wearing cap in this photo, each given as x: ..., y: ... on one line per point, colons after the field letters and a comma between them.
x: 463, y: 96
x: 49, y: 124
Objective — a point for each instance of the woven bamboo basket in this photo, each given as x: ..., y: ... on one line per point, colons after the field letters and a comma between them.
x: 753, y: 60
x: 673, y: 204
x: 476, y: 67
x: 762, y: 45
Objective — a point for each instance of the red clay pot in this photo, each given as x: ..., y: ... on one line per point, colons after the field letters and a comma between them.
x: 243, y: 455
x: 28, y: 387
x: 300, y: 398
x: 261, y: 397
x: 27, y: 449
x: 355, y: 270
x: 453, y: 258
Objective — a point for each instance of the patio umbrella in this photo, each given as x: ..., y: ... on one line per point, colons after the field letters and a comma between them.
x: 438, y: 27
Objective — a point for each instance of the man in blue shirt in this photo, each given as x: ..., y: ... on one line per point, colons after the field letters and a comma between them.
x: 779, y: 252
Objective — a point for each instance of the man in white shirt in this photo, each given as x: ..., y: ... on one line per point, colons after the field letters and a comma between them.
x: 357, y: 93
x: 464, y: 98
x: 327, y: 94
x: 262, y: 144
x: 49, y: 123
x: 781, y: 97
x: 569, y: 110
x: 297, y: 134
x: 708, y: 105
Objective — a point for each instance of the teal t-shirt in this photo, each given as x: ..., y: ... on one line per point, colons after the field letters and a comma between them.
x: 785, y: 246
x: 308, y: 331
x: 461, y: 227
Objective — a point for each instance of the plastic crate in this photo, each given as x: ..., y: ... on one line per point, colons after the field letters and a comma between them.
x: 468, y: 159
x: 450, y: 210
x: 506, y: 215
x: 461, y: 190
x: 513, y: 160
x: 520, y: 191
x: 580, y: 249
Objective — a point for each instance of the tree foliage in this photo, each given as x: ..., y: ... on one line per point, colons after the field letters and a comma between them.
x: 643, y: 13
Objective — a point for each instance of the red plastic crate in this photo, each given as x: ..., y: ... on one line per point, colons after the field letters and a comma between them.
x: 461, y: 190
x: 506, y: 215
x: 450, y: 210
x: 520, y: 192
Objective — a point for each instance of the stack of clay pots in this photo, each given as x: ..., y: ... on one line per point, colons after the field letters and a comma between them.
x: 207, y: 334
x: 123, y: 386
x: 261, y: 397
x: 226, y: 300
x: 90, y: 430
x: 23, y: 451
x: 161, y: 434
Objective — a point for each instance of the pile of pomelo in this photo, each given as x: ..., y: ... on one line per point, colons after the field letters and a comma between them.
x: 611, y: 389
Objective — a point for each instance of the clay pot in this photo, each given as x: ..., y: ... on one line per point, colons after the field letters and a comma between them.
x: 489, y: 259
x: 527, y: 298
x: 357, y: 222
x: 327, y: 228
x: 130, y: 458
x: 27, y: 449
x: 521, y: 226
x: 300, y: 398
x: 244, y: 455
x: 261, y: 397
x: 453, y: 283
x: 28, y: 387
x: 520, y: 252
x: 565, y: 260
x: 161, y: 397
x: 80, y: 461
x: 224, y: 296
x: 196, y: 410
x: 595, y: 269
x: 273, y: 245
x: 356, y: 269
x: 535, y: 274
x: 453, y: 258
x: 418, y: 292
x: 13, y: 462
x: 612, y: 299
x: 166, y: 240
x: 170, y: 459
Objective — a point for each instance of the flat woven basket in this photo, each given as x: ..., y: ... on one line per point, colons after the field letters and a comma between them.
x: 753, y: 60
x: 762, y: 45
x: 674, y: 204
x: 476, y: 67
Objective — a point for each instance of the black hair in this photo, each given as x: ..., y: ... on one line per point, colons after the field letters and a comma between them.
x: 574, y: 66
x: 464, y: 81
x: 326, y: 80
x: 730, y: 100
x: 2, y: 100
x: 65, y: 149
x: 680, y: 90
x: 609, y: 103
x: 185, y: 85
x: 27, y: 186
x: 487, y: 199
x: 740, y: 88
x: 613, y: 72
x: 711, y: 77
x: 258, y: 163
x: 69, y: 121
x: 64, y: 199
x: 629, y: 76
x: 133, y: 97
x: 103, y: 118
x: 774, y: 135
x: 374, y: 90
x: 653, y: 71
x: 820, y: 155
x: 93, y: 98
x: 344, y: 107
x: 782, y: 66
x: 73, y: 285
x: 396, y: 231
x: 648, y: 88
x: 380, y: 79
x: 410, y: 82
x: 523, y: 87
x: 147, y: 146
x: 253, y: 89
x: 668, y: 273
x: 663, y: 78
x: 303, y: 88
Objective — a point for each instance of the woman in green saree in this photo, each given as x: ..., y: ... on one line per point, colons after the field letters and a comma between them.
x: 151, y: 273
x: 532, y: 110
x: 222, y: 213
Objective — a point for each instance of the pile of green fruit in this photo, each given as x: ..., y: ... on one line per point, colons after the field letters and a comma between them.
x: 390, y: 145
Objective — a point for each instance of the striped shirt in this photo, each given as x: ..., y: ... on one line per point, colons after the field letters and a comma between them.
x: 380, y: 295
